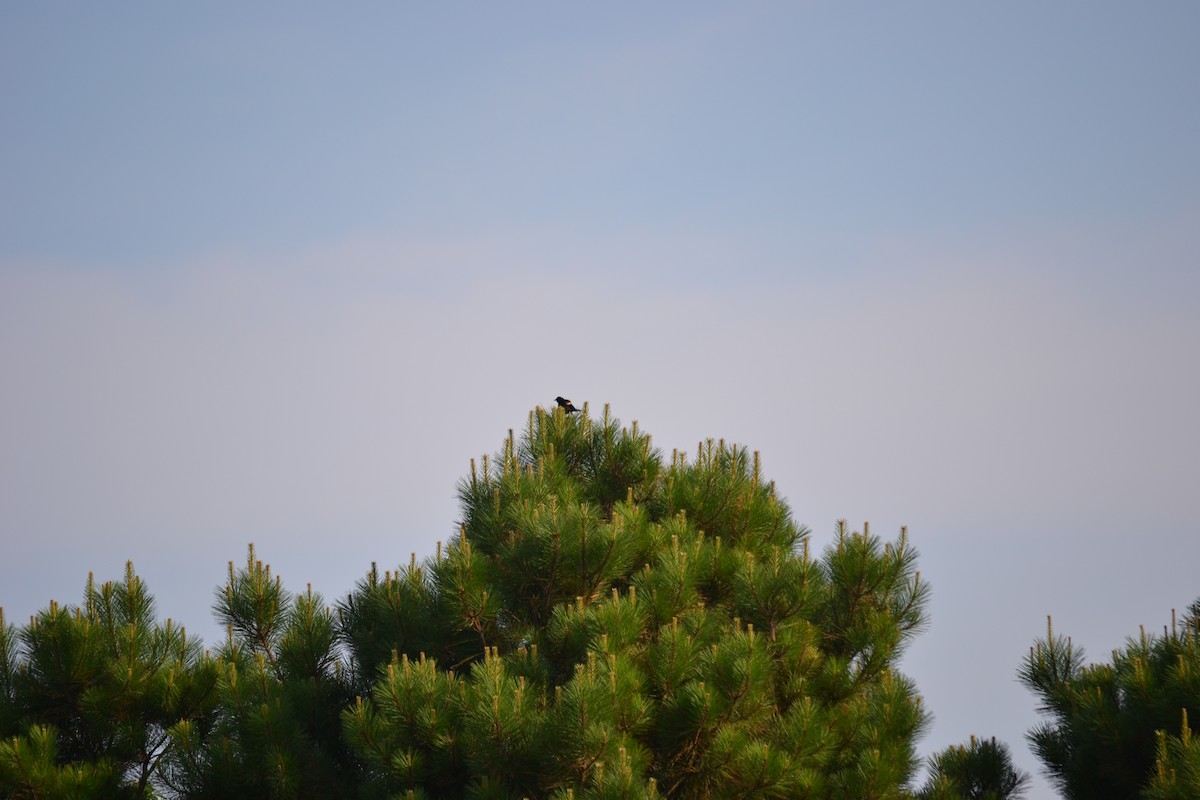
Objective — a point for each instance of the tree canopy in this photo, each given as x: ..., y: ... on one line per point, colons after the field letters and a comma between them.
x: 1120, y: 729
x: 607, y: 623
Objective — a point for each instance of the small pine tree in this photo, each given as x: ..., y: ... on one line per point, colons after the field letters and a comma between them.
x: 89, y: 695
x: 280, y: 687
x: 1119, y: 729
x: 981, y: 770
x: 607, y: 625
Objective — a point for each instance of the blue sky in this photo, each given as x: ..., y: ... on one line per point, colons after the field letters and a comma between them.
x: 276, y: 274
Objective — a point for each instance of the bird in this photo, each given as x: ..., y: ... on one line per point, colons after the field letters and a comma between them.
x: 565, y: 405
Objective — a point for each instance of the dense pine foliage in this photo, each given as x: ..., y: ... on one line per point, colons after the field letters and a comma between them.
x: 980, y: 770
x: 90, y: 696
x: 607, y: 624
x: 1120, y: 729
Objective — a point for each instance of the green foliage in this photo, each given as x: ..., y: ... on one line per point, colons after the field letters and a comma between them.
x: 31, y: 766
x: 1177, y: 766
x: 609, y: 626
x: 982, y: 770
x: 90, y: 693
x: 275, y: 728
x: 605, y: 625
x: 8, y: 677
x: 1119, y: 729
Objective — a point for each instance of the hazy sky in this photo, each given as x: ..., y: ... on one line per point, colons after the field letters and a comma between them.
x: 275, y: 274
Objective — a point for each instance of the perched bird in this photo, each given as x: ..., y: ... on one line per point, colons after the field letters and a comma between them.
x: 565, y: 404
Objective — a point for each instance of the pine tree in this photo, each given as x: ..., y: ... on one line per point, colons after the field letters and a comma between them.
x: 1119, y: 729
x: 89, y: 695
x: 980, y: 770
x: 280, y: 688
x: 607, y: 625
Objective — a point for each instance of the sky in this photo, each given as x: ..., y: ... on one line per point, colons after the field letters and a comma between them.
x: 275, y: 274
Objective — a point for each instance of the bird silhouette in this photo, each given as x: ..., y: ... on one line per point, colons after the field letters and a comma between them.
x: 565, y: 405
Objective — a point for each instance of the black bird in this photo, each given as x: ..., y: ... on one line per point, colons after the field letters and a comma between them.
x: 565, y: 405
